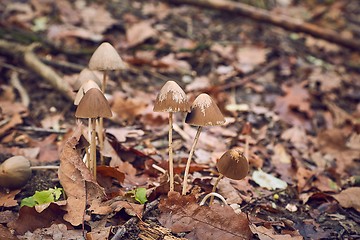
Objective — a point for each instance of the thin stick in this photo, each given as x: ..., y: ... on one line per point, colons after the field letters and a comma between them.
x: 92, y: 163
x: 214, y: 187
x: 189, y: 160
x: 171, y: 161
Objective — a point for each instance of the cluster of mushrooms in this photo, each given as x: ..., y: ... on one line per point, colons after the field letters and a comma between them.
x: 202, y: 112
x: 92, y: 105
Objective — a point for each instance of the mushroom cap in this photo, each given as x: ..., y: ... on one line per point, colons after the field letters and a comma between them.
x: 204, y: 112
x: 84, y: 76
x: 15, y: 172
x: 106, y: 57
x: 93, y: 105
x: 233, y: 164
x: 83, y: 89
x: 171, y: 98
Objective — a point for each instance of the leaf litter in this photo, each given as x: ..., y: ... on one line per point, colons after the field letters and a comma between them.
x: 304, y: 113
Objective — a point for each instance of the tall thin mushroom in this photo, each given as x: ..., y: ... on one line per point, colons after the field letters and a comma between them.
x: 93, y: 106
x: 204, y: 112
x: 171, y: 99
x: 105, y: 58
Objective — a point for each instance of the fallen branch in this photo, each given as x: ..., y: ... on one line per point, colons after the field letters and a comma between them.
x: 288, y: 23
x: 26, y: 55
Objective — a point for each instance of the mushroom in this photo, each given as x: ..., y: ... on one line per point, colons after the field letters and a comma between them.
x: 204, y: 112
x: 105, y: 58
x: 86, y: 86
x: 232, y: 164
x: 93, y: 106
x: 14, y: 172
x: 84, y: 76
x: 171, y: 98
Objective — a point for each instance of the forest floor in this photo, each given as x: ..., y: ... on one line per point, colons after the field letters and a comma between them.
x: 300, y: 94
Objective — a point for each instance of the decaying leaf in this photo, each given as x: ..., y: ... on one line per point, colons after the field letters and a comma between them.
x: 8, y: 199
x: 77, y: 181
x: 183, y: 214
x: 349, y: 198
x: 55, y: 231
x: 139, y: 32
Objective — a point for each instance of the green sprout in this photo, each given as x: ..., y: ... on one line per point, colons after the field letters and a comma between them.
x: 139, y: 194
x: 46, y: 196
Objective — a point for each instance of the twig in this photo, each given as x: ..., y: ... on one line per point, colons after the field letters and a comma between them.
x: 15, y: 82
x: 41, y: 130
x: 26, y: 54
x: 288, y: 23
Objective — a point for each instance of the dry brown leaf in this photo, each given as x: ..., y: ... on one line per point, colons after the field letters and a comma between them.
x: 77, y: 181
x: 139, y: 32
x: 127, y: 109
x: 96, y: 18
x: 15, y: 120
x: 183, y: 214
x: 8, y: 199
x: 249, y: 57
x: 296, y: 99
x: 349, y: 198
x: 107, y: 171
x: 5, y: 233
x: 99, y: 233
x: 29, y: 219
x: 55, y: 231
x: 48, y: 148
x: 270, y: 234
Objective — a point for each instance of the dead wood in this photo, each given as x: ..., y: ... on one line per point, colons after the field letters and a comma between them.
x: 28, y: 57
x: 288, y: 23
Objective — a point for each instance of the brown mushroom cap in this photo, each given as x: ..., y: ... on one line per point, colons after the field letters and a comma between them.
x: 204, y: 112
x: 83, y: 89
x: 106, y: 57
x: 84, y: 76
x: 93, y: 105
x: 171, y: 98
x: 233, y: 164
x: 15, y: 172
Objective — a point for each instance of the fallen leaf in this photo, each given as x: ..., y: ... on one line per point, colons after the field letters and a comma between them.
x: 349, y: 198
x: 5, y: 233
x: 96, y: 18
x: 183, y: 214
x: 249, y: 57
x: 139, y: 32
x: 127, y: 109
x: 29, y: 219
x: 55, y: 231
x: 77, y: 181
x: 268, y: 181
x: 8, y: 199
x: 107, y: 171
x: 270, y: 234
x: 48, y: 148
x: 99, y: 233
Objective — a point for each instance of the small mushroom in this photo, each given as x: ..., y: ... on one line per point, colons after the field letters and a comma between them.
x: 86, y: 86
x: 204, y: 112
x: 84, y: 76
x: 93, y: 106
x: 232, y: 164
x: 14, y: 172
x: 171, y: 99
x: 105, y: 58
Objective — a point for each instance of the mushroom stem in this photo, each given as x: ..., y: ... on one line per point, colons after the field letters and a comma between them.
x: 212, y: 194
x: 101, y: 122
x: 171, y: 161
x: 189, y: 160
x: 246, y: 150
x: 92, y: 163
x: 101, y: 139
x: 52, y: 167
x: 214, y: 187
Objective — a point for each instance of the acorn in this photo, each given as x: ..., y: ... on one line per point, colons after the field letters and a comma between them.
x: 14, y: 172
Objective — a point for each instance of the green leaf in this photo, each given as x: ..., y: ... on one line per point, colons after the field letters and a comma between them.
x: 41, y: 197
x: 140, y: 195
x: 29, y: 201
